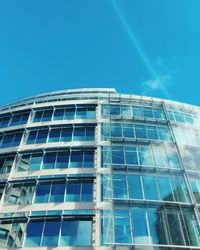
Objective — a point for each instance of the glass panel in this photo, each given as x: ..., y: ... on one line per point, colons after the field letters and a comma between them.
x: 175, y: 228
x: 17, y: 139
x: 27, y: 192
x: 116, y: 130
x: 7, y: 140
x: 179, y: 190
x: 126, y: 110
x: 117, y: 157
x: 6, y: 164
x: 128, y: 131
x: 66, y: 134
x: 137, y: 111
x: 24, y: 163
x: 140, y: 131
x: 86, y: 192
x: 49, y: 161
x: 150, y: 188
x: 4, y: 121
x: 31, y: 137
x: 114, y: 109
x: 119, y: 186
x: 90, y: 134
x: 91, y: 113
x: 131, y: 156
x: 42, y: 193
x: 24, y: 118
x: 152, y: 132
x: 79, y: 134
x: 42, y: 136
x: 69, y: 114
x: 73, y: 192
x: 51, y: 233
x: 35, y: 162
x: 160, y: 156
x: 159, y: 114
x: 154, y: 233
x: 148, y: 112
x: 139, y: 222
x: 54, y: 135
x: 122, y: 227
x: 57, y: 192
x: 80, y: 113
x: 107, y: 227
x: 134, y: 187
x: 62, y: 160
x: 145, y: 156
x: 47, y: 115
x: 15, y: 120
x: 76, y: 233
x: 76, y: 160
x: 58, y: 114
x: 33, y: 233
x: 166, y: 192
x: 164, y: 134
x: 88, y: 160
x: 105, y: 109
x: 38, y: 116
x: 195, y: 185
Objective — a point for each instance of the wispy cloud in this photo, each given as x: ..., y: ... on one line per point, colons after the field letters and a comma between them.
x: 160, y: 83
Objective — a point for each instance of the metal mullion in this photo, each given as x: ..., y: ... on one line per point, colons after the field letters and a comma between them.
x: 49, y: 130
x: 81, y: 191
x: 61, y: 130
x: 75, y: 112
x: 137, y: 153
x: 83, y: 161
x: 56, y: 159
x: 51, y: 182
x: 42, y: 161
x: 148, y: 226
x: 42, y: 234
x: 65, y: 193
x: 85, y: 134
x: 142, y: 186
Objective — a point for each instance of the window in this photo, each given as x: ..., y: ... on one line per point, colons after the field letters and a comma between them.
x: 10, y: 140
x: 6, y: 163
x: 69, y: 112
x: 162, y: 156
x: 150, y: 225
x: 145, y: 187
x: 13, y: 119
x: 61, y: 135
x: 76, y: 233
x: 42, y: 193
x: 50, y: 160
x: 34, y: 233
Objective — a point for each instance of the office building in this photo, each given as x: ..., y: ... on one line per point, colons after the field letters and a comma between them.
x: 95, y: 169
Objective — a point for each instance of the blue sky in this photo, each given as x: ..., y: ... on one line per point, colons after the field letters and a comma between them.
x: 137, y: 46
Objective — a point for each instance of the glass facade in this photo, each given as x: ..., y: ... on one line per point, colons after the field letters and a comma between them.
x: 94, y: 169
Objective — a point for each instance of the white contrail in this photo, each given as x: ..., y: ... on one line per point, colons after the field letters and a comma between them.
x: 137, y: 46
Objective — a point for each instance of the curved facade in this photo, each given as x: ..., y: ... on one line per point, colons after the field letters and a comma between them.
x: 94, y: 169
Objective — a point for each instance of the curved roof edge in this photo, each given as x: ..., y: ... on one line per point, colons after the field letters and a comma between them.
x: 65, y: 91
